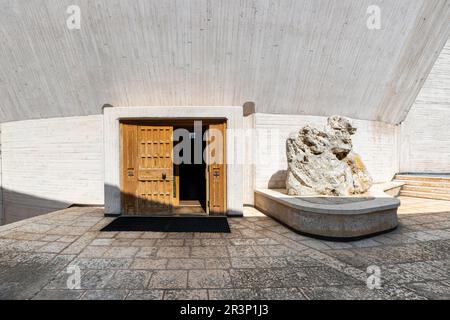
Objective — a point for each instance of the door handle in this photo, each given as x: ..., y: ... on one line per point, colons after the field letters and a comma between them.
x: 130, y: 173
x: 164, y: 176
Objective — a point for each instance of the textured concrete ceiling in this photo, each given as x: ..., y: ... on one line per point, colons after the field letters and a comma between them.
x: 288, y: 56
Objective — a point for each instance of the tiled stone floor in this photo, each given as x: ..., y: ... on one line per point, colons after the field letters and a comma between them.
x: 258, y: 259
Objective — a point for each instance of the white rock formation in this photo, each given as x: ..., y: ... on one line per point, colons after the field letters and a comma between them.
x: 322, y: 162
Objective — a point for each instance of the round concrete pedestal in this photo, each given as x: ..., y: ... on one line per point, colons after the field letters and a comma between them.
x: 336, y: 218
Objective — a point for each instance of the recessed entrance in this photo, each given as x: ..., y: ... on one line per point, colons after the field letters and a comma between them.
x: 173, y: 167
x: 191, y: 173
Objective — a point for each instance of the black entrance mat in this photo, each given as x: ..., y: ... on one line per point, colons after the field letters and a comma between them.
x: 170, y: 224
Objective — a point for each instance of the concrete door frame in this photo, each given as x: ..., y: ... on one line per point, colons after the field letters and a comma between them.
x: 234, y: 147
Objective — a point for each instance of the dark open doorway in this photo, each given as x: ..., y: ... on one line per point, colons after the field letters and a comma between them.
x: 191, y: 174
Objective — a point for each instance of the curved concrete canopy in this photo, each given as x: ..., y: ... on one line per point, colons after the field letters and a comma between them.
x: 289, y: 56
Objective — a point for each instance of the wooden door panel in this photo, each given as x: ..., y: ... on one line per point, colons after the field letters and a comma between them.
x: 217, y: 170
x: 129, y: 165
x: 155, y: 174
x: 151, y: 171
x: 216, y: 195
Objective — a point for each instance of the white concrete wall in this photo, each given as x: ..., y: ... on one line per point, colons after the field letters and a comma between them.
x: 306, y: 57
x: 249, y: 165
x: 425, y: 134
x: 376, y: 142
x: 51, y: 163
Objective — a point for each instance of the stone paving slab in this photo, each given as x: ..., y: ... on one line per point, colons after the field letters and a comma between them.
x: 259, y: 259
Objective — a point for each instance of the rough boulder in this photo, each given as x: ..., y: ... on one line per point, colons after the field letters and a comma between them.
x: 321, y: 162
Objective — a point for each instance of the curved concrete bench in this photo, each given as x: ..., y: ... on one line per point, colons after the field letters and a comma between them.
x: 337, y: 218
x: 392, y: 188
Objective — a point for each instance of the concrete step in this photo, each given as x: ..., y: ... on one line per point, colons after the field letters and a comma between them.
x: 431, y: 178
x: 426, y: 189
x: 426, y: 195
x: 425, y: 183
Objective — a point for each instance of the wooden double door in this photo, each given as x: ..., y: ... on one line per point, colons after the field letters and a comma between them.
x: 150, y: 181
